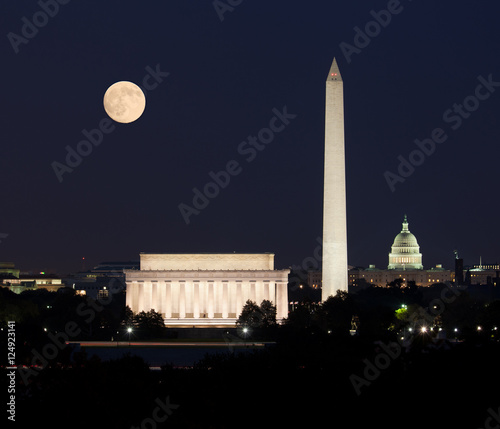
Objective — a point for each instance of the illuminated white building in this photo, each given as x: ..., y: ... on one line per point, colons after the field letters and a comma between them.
x: 405, y: 264
x: 405, y: 252
x: 379, y: 277
x: 205, y: 289
x: 483, y: 274
x: 50, y: 283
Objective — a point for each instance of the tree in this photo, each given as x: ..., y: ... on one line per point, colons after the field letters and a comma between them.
x: 251, y: 315
x: 254, y: 316
x: 268, y: 313
x: 300, y: 318
x: 127, y: 317
x: 336, y: 313
x: 149, y: 324
x: 396, y: 283
x: 14, y: 307
x: 489, y: 316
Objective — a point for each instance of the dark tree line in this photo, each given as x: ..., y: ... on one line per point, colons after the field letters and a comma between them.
x: 299, y: 381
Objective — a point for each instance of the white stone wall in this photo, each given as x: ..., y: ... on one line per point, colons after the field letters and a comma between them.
x: 216, y: 261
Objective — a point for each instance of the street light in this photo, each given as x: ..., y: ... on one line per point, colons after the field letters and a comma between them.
x: 246, y: 332
x: 129, y: 330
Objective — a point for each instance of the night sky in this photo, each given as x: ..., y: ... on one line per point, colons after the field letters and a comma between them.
x: 227, y: 71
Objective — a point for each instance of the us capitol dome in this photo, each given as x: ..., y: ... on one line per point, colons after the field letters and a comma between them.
x: 405, y: 251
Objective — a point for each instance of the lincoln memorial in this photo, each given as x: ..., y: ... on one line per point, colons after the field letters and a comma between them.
x: 205, y: 289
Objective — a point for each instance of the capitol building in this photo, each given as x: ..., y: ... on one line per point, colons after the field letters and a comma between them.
x: 405, y: 263
x: 405, y: 252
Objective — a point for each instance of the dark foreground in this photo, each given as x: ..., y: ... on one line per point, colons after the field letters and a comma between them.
x: 297, y: 384
x: 315, y: 375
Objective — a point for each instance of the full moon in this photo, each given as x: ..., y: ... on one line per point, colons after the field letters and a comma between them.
x: 124, y: 102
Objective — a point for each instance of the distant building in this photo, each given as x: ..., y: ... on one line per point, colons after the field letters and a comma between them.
x: 107, y: 270
x: 477, y: 274
x: 8, y: 269
x: 483, y: 274
x: 97, y: 282
x: 405, y: 263
x: 314, y: 279
x: 491, y: 267
x: 24, y: 282
x: 381, y: 277
x: 11, y: 278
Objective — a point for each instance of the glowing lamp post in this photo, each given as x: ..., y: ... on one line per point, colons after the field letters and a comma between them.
x: 246, y: 332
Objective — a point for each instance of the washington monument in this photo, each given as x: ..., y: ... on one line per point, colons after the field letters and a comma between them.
x: 334, y: 200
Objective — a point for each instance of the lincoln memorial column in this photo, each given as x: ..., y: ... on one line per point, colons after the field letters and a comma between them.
x: 147, y: 287
x: 182, y: 299
x: 188, y: 293
x: 231, y: 291
x: 267, y: 291
x: 168, y: 300
x: 140, y: 297
x: 128, y: 295
x: 154, y: 296
x: 225, y: 300
x: 196, y: 299
x: 161, y: 298
x: 133, y: 296
x: 239, y: 298
x: 175, y: 298
x: 259, y: 292
x: 281, y: 300
x: 216, y: 297
x: 252, y: 295
x: 210, y: 300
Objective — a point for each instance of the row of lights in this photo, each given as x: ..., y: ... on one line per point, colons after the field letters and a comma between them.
x: 479, y: 328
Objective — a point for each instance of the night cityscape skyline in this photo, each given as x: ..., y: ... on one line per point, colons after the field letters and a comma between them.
x: 248, y: 213
x: 211, y: 94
